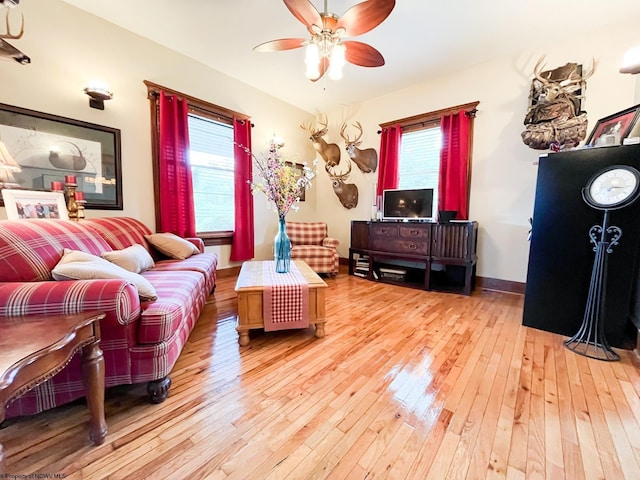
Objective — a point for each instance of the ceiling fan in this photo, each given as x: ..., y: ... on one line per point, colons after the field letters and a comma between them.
x: 325, y: 48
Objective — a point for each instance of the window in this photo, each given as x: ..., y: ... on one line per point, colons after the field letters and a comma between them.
x: 419, y: 162
x: 212, y: 169
x: 419, y: 157
x: 211, y: 157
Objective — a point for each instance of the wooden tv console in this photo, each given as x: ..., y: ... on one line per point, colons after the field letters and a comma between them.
x: 430, y: 256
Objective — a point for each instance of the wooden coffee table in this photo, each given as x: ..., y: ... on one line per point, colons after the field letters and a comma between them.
x: 35, y: 348
x: 250, y: 287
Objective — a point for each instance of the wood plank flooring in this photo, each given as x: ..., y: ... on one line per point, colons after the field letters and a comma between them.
x: 406, y: 385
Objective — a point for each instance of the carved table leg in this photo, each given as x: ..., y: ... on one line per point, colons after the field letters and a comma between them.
x: 93, y: 379
x: 319, y: 330
x: 158, y: 390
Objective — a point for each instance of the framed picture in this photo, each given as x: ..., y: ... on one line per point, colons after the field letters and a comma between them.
x: 47, y: 148
x: 21, y: 204
x: 613, y: 129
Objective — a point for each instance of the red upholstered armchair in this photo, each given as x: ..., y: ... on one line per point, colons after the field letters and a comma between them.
x: 310, y: 242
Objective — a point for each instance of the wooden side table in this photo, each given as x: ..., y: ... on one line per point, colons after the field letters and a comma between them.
x: 35, y: 348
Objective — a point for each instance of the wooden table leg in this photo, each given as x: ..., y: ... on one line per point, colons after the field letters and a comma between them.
x: 93, y: 379
x: 243, y: 339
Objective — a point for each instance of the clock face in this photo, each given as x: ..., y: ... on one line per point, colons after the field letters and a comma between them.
x: 613, y: 187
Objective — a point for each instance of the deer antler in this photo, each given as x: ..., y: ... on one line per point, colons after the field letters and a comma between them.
x: 342, y: 133
x: 8, y: 34
x: 537, y: 70
x: 359, y: 127
x: 572, y: 81
x: 594, y: 65
x: 340, y: 176
x: 324, y: 122
x: 306, y: 126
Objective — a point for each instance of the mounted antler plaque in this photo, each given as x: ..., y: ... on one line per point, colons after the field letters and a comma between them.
x: 8, y: 50
x: 555, y: 118
x: 330, y: 152
x: 346, y: 192
x: 367, y: 159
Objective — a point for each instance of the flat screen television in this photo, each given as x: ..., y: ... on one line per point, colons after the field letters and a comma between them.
x: 407, y: 204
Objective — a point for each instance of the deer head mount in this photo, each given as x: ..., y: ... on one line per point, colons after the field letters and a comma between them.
x: 555, y: 119
x: 330, y: 152
x: 8, y: 50
x: 347, y: 192
x: 367, y: 159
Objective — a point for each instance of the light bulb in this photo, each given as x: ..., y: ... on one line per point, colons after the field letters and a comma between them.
x: 337, y: 61
x: 631, y: 61
x: 311, y: 61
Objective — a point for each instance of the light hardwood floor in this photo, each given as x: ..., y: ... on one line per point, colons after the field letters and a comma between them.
x: 406, y: 384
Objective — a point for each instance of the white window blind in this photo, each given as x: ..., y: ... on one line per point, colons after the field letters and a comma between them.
x: 212, y: 168
x: 419, y: 165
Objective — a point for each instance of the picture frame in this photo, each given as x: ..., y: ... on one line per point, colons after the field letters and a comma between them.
x: 613, y: 129
x: 48, y: 147
x: 25, y: 204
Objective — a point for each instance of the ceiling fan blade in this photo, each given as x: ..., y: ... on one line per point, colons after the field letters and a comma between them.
x: 365, y: 16
x: 305, y: 12
x: 280, y: 44
x: 362, y: 54
x: 324, y: 65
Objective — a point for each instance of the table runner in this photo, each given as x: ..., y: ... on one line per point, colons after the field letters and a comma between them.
x: 285, y: 299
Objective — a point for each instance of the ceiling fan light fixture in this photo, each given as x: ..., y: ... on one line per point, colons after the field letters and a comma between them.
x: 326, y: 51
x: 337, y: 61
x: 312, y: 60
x: 631, y: 61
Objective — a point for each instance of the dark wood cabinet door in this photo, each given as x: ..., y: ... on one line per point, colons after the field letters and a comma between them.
x: 561, y: 255
x: 360, y: 235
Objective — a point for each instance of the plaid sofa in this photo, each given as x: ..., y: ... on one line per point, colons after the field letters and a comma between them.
x: 310, y: 242
x: 141, y: 341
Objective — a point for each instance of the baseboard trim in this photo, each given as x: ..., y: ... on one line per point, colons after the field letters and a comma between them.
x: 500, y: 285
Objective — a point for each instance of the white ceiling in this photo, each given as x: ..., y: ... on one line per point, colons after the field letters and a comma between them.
x: 419, y: 40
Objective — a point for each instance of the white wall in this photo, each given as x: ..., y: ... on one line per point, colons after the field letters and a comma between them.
x: 503, y: 170
x: 69, y: 47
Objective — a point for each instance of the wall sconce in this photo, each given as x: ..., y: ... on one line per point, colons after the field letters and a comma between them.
x: 276, y: 142
x: 631, y: 61
x: 99, y: 92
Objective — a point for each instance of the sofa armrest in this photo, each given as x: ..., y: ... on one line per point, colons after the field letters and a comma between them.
x: 118, y: 299
x: 198, y: 242
x: 330, y: 242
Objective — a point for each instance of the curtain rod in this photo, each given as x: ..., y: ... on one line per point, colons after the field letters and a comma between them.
x: 471, y: 113
x: 153, y: 91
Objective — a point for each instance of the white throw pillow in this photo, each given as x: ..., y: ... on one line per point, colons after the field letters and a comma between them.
x: 77, y: 265
x: 135, y: 258
x: 172, y: 245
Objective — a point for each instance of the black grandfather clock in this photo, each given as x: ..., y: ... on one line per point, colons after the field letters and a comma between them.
x: 612, y: 188
x: 585, y: 202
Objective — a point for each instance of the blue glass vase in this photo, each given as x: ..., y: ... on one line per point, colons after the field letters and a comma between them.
x: 282, y: 248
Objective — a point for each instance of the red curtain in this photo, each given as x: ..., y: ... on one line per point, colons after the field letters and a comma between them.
x: 389, y: 155
x: 177, y: 213
x: 454, y: 164
x: 243, y: 238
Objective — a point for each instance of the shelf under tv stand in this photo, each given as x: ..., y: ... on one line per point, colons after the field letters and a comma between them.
x: 428, y: 256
